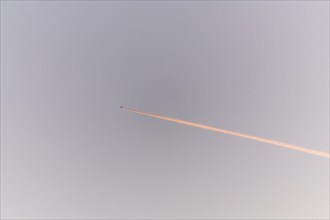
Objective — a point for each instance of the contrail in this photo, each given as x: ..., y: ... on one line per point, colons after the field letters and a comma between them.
x: 268, y: 141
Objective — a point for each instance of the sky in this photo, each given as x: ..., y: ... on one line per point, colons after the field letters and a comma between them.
x: 69, y: 151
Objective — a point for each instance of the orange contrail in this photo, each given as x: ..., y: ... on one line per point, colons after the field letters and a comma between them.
x: 277, y: 143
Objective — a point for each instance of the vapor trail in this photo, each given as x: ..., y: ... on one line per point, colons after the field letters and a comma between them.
x: 277, y: 143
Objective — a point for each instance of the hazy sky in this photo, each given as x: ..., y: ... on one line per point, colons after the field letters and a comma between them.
x: 69, y: 151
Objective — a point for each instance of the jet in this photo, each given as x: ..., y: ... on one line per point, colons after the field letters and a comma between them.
x: 121, y: 107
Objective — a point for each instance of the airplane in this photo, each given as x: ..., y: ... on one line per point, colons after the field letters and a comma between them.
x: 121, y: 107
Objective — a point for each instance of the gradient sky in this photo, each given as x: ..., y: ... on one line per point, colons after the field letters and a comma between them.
x: 69, y: 151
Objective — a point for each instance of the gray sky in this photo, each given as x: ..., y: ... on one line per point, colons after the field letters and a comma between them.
x: 69, y: 151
